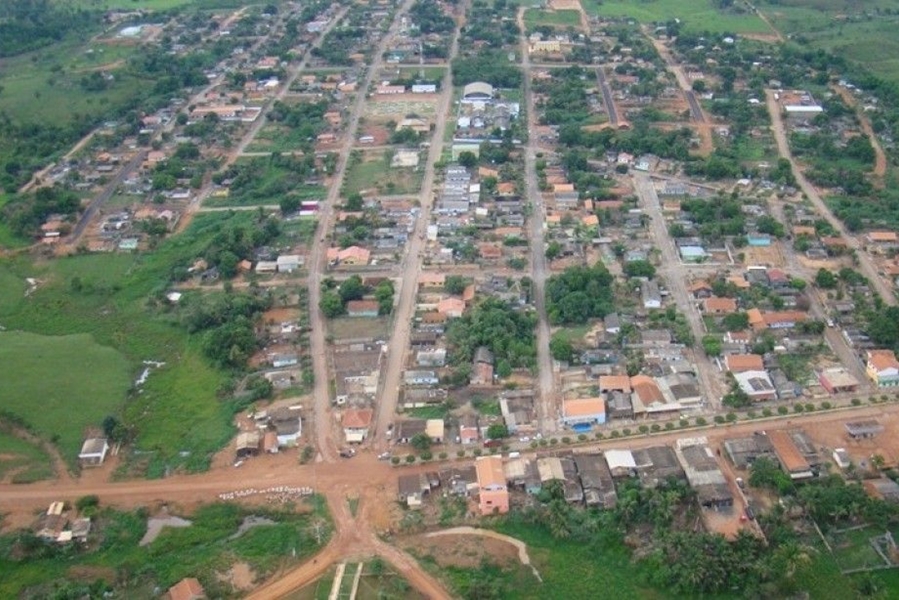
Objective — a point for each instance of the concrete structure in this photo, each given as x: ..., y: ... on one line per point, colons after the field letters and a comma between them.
x: 584, y: 412
x: 703, y: 474
x: 788, y: 455
x: 477, y: 91
x: 837, y: 380
x: 93, y: 452
x: 882, y: 368
x: 757, y: 385
x: 493, y: 494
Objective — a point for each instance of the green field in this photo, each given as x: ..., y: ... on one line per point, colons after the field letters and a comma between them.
x: 373, y: 172
x: 22, y: 461
x: 61, y: 385
x: 553, y: 18
x: 202, y: 550
x: 178, y: 419
x: 696, y: 15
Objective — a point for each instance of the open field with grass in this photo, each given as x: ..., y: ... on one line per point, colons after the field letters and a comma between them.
x: 372, y: 171
x: 156, y: 4
x: 62, y: 384
x: 431, y: 73
x: 7, y: 238
x: 21, y: 461
x: 698, y: 15
x: 178, y: 419
x: 206, y: 549
x: 278, y: 138
x: 553, y: 18
x: 347, y: 328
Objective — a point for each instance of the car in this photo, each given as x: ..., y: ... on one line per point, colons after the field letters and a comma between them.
x: 238, y: 463
x: 524, y: 439
x: 347, y: 453
x: 384, y: 456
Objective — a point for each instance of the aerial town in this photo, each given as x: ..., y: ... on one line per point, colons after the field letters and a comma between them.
x: 448, y: 299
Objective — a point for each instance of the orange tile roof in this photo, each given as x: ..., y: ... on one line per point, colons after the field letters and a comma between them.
x: 721, y: 305
x: 614, y: 382
x: 883, y: 236
x: 357, y: 418
x: 582, y: 407
x: 490, y: 471
x: 883, y: 359
x: 647, y: 389
x: 738, y: 363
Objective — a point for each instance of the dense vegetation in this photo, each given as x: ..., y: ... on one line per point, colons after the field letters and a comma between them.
x: 507, y: 332
x: 30, y: 24
x: 579, y: 294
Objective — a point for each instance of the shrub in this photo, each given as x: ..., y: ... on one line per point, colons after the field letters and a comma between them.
x: 395, y: 460
x: 856, y: 402
x: 553, y: 442
x: 616, y: 434
x: 782, y: 410
x: 719, y: 419
x: 542, y: 442
x: 826, y: 405
x: 582, y: 437
x: 534, y: 444
x: 798, y: 408
x: 701, y: 422
x: 442, y: 456
x: 683, y: 423
x: 410, y: 458
x: 669, y: 426
x: 598, y: 435
x: 90, y: 501
x: 766, y: 412
x: 566, y: 440
x: 752, y: 414
x: 655, y: 427
x: 809, y: 407
x: 460, y: 453
x: 643, y: 429
x: 730, y: 417
x: 626, y: 431
x: 477, y: 452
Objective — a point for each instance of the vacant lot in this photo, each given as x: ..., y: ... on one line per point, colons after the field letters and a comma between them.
x: 207, y: 550
x: 349, y: 328
x: 553, y: 18
x: 62, y: 385
x: 697, y: 15
x: 371, y: 171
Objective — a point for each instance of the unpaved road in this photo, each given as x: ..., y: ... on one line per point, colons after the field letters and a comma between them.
x: 880, y: 157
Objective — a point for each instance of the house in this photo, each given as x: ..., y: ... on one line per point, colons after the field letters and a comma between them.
x: 493, y: 495
x: 757, y: 385
x: 744, y: 451
x: 93, y: 452
x: 882, y: 368
x: 187, y: 589
x: 621, y: 463
x: 650, y: 294
x: 355, y: 423
x: 452, y: 307
x: 279, y: 361
x: 596, y: 480
x: 789, y: 456
x: 408, y: 429
x: 740, y: 363
x: 612, y: 323
x: 469, y: 433
x: 288, y: 424
x: 432, y: 357
x: 882, y: 241
x: 389, y: 90
x: 719, y: 306
x: 412, y: 489
x: 837, y: 380
x: 288, y: 263
x: 883, y: 489
x: 431, y: 281
x: 489, y: 251
x: 419, y: 377
x: 583, y: 413
x: 352, y: 256
x: 424, y: 88
x: 656, y: 465
x: 362, y: 308
x: 703, y: 474
x: 613, y: 383
x: 482, y: 367
x: 247, y: 444
x: 523, y: 473
x: 459, y: 481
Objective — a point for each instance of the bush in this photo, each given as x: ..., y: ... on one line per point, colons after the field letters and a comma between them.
x: 669, y: 426
x: 719, y: 419
x: 701, y: 422
x: 534, y: 444
x: 442, y: 456
x: 582, y: 437
x: 644, y: 429
x: 566, y: 440
x: 395, y: 460
x: 782, y: 410
x: 410, y: 458
x: 626, y: 431
x: 856, y: 402
x: 460, y: 453
x: 766, y: 412
x: 84, y: 503
x: 809, y: 407
x: 752, y: 414
x: 616, y: 434
x: 683, y: 423
x: 798, y: 408
x: 477, y: 452
x: 553, y: 442
x: 730, y: 417
x: 426, y: 455
x: 655, y: 427
x: 598, y: 435
x: 542, y: 442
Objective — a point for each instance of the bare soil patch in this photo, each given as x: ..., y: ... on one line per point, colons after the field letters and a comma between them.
x: 464, y: 551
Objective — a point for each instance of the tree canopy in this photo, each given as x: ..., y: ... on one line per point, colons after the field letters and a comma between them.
x: 579, y: 294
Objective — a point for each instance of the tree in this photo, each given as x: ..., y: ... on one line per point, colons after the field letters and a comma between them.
x: 825, y: 279
x: 711, y: 344
x: 553, y: 250
x: 421, y: 442
x: 766, y: 473
x: 640, y: 268
x: 455, y: 284
x: 352, y: 289
x: 354, y: 202
x: 737, y: 321
x: 468, y: 159
x: 331, y: 304
x: 289, y: 205
x: 497, y: 431
x: 560, y: 348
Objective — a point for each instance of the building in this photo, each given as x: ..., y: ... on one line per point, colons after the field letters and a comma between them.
x: 469, y: 432
x: 424, y: 88
x: 621, y: 463
x: 493, y: 495
x: 860, y: 430
x: 581, y: 414
x: 701, y: 468
x: 651, y: 295
x: 656, y: 465
x: 288, y: 424
x: 93, y: 452
x: 477, y: 91
x: 412, y: 489
x: 742, y: 452
x: 788, y: 455
x: 740, y: 363
x: 482, y: 367
x: 188, y: 588
x: 757, y: 385
x: 837, y: 380
x: 883, y: 489
x: 451, y: 307
x: 355, y: 423
x: 596, y: 480
x: 719, y: 306
x: 247, y: 444
x: 362, y: 308
x: 882, y: 368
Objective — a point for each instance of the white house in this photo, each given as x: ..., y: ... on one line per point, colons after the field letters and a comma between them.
x: 93, y: 452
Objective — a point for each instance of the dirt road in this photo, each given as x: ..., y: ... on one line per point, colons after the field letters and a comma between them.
x: 880, y: 157
x: 405, y: 308
x: 548, y: 406
x: 865, y: 264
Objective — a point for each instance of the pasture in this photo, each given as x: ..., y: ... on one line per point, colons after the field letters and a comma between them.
x: 21, y: 461
x: 699, y: 15
x: 372, y: 171
x: 552, y: 18
x: 61, y: 385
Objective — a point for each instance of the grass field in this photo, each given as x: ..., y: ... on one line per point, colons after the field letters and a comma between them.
x: 278, y: 138
x: 553, y: 18
x: 62, y: 384
x: 22, y: 461
x: 178, y: 418
x: 373, y: 172
x: 201, y: 550
x: 697, y: 15
x: 7, y: 238
x: 347, y: 328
